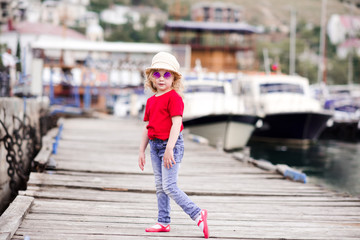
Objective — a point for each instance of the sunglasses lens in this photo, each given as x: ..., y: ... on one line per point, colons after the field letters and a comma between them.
x: 157, y: 75
x: 167, y: 75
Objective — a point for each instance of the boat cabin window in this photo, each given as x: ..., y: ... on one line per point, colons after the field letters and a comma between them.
x: 205, y: 88
x: 281, y: 87
x: 245, y: 89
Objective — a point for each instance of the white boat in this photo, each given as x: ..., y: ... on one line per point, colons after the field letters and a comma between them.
x: 212, y: 111
x: 344, y: 102
x: 290, y: 114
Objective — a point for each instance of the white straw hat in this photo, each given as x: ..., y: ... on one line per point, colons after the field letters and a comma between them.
x: 164, y: 60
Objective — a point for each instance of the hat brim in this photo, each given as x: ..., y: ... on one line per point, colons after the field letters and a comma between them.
x: 161, y: 66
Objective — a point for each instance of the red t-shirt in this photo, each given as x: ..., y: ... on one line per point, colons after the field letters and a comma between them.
x: 159, y: 111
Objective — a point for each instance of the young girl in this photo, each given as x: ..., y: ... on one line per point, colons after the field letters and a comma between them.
x: 163, y: 117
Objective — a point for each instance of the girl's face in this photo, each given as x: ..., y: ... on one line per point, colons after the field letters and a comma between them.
x: 163, y: 80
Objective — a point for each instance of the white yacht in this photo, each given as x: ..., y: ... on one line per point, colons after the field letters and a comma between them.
x: 289, y: 112
x: 344, y: 102
x: 215, y: 113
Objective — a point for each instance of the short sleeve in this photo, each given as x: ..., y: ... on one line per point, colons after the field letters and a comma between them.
x: 176, y: 105
x: 146, y: 115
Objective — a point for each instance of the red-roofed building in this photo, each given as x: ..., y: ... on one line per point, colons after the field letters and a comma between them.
x: 27, y: 33
x: 30, y: 28
x: 344, y: 31
x: 342, y: 27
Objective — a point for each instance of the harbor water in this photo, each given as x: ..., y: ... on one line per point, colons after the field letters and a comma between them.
x: 333, y: 164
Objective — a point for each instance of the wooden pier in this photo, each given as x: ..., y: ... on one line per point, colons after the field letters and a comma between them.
x: 97, y: 191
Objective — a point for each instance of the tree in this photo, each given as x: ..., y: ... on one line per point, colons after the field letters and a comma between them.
x: 127, y: 33
x: 3, y: 48
x: 18, y: 56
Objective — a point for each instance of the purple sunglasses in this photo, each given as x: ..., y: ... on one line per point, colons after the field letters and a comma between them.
x: 166, y: 75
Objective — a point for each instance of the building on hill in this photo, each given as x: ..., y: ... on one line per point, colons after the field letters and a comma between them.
x: 218, y: 37
x: 12, y: 11
x: 344, y: 31
x: 216, y: 12
x: 119, y: 15
x: 63, y: 12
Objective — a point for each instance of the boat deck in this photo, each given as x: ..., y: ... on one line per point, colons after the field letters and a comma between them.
x: 98, y: 192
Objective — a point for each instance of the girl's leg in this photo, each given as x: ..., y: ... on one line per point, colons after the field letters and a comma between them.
x: 169, y: 182
x: 162, y: 199
x: 170, y: 187
x: 166, y: 186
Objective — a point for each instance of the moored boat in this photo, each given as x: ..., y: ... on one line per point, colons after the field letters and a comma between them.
x: 290, y: 114
x: 213, y: 112
x: 344, y: 102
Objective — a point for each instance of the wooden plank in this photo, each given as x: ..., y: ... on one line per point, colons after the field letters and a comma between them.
x: 44, y: 154
x: 5, y: 236
x: 192, y: 232
x: 52, y: 132
x: 11, y: 219
x: 93, y: 207
x: 61, y: 192
x: 98, y: 192
x: 141, y: 183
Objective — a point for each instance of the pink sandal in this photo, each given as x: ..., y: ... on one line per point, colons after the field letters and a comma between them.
x: 158, y: 228
x: 203, y: 220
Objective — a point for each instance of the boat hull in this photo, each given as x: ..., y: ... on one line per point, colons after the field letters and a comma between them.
x: 226, y: 131
x: 292, y: 127
x: 343, y: 131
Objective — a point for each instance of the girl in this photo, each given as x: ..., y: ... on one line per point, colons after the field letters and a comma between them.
x: 163, y: 117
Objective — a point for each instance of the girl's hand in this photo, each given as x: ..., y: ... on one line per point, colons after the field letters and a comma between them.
x: 142, y: 160
x: 169, y: 158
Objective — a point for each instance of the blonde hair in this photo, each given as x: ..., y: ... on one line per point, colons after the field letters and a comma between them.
x: 177, y: 84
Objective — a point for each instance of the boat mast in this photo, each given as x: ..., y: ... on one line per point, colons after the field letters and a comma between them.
x: 266, y: 61
x: 292, y: 42
x: 321, y: 66
x: 351, y: 36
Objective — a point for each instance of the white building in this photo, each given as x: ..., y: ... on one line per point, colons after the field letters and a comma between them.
x: 28, y: 33
x: 63, y: 12
x: 33, y: 11
x: 50, y: 12
x: 72, y: 13
x: 344, y: 31
x: 216, y: 12
x: 95, y: 32
x: 342, y: 27
x: 119, y: 15
x: 12, y: 9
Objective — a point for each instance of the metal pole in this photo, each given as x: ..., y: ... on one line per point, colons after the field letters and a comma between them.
x: 321, y: 65
x: 266, y: 61
x: 351, y: 49
x: 51, y: 87
x: 292, y: 42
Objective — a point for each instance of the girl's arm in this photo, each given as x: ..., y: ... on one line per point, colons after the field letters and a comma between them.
x: 174, y: 134
x: 143, y: 145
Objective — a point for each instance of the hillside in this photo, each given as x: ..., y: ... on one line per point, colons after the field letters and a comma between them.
x: 277, y: 12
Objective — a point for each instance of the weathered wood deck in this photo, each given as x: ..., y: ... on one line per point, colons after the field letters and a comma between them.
x: 98, y: 192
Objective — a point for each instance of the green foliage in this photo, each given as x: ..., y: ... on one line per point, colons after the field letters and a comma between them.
x: 337, y: 71
x: 18, y: 56
x: 127, y: 33
x: 152, y: 3
x: 356, y: 69
x: 2, y: 67
x: 307, y: 69
x: 3, y: 48
x: 308, y: 39
x: 99, y: 5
